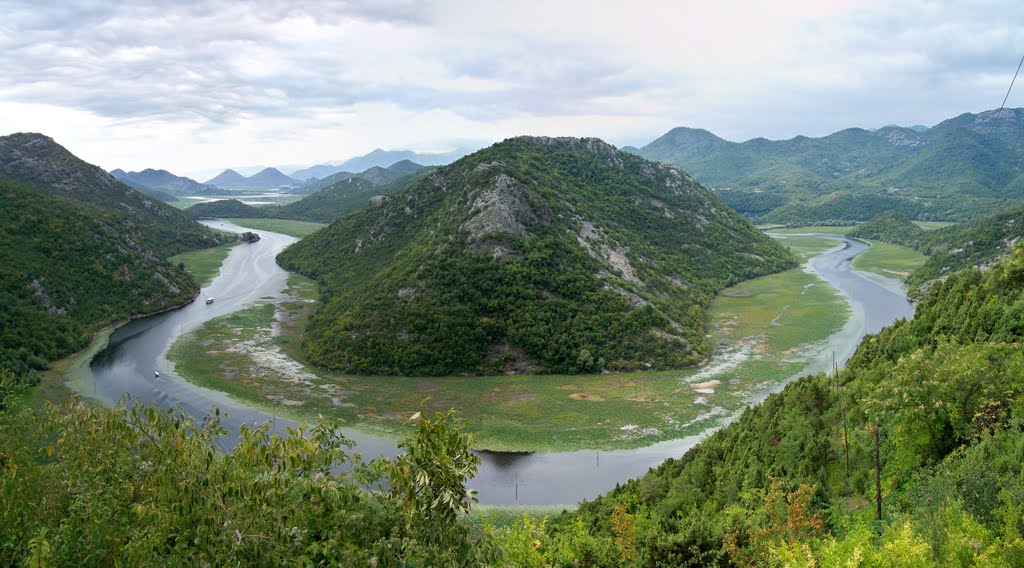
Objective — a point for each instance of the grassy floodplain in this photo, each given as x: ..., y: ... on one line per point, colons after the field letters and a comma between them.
x: 765, y: 329
x: 256, y: 199
x: 891, y: 261
x: 204, y: 264
x: 838, y: 230
x: 296, y: 229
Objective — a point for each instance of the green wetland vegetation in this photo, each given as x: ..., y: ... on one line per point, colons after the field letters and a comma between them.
x: 756, y: 326
x: 289, y: 227
x: 790, y: 483
x: 203, y: 264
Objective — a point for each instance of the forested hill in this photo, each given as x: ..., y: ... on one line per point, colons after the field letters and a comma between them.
x: 324, y: 206
x: 952, y: 171
x: 978, y: 243
x: 981, y: 243
x: 36, y: 160
x: 67, y: 272
x: 890, y: 227
x: 792, y: 481
x: 536, y: 254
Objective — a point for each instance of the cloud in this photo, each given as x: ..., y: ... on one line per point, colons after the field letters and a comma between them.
x: 204, y: 84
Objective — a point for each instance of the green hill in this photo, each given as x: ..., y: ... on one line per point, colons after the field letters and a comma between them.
x: 792, y: 481
x: 228, y: 208
x: 979, y: 243
x: 536, y: 254
x: 855, y: 174
x: 343, y: 197
x: 37, y: 161
x: 890, y: 227
x: 324, y: 206
x: 69, y: 271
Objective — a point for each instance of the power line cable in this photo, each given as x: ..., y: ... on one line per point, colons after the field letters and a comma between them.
x: 974, y: 170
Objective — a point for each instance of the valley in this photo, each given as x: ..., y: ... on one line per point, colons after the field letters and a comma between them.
x: 512, y: 285
x: 239, y: 361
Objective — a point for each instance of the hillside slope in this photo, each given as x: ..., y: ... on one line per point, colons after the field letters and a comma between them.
x: 535, y: 254
x: 37, y: 161
x: 69, y: 271
x: 792, y: 482
x: 324, y: 206
x: 953, y: 171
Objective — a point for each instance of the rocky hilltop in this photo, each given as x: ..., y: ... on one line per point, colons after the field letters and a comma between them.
x: 534, y: 255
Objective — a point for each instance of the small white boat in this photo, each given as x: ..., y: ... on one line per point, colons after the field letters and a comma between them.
x: 209, y: 300
x: 156, y: 374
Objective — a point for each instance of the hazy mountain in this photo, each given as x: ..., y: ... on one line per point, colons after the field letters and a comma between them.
x: 269, y: 178
x: 375, y: 175
x: 37, y: 161
x: 386, y: 158
x: 539, y: 254
x: 324, y: 206
x: 162, y: 180
x: 951, y: 171
x: 228, y: 179
x: 319, y: 171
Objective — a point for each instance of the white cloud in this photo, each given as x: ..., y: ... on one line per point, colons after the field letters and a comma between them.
x: 192, y: 86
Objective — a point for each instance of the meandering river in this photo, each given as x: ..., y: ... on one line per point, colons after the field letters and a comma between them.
x: 137, y: 350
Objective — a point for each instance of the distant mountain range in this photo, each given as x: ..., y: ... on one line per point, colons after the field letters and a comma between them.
x: 149, y: 180
x: 958, y: 169
x: 324, y: 205
x: 267, y: 178
x: 376, y: 175
x: 379, y: 158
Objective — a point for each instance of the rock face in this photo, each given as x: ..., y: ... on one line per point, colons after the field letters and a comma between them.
x: 533, y: 255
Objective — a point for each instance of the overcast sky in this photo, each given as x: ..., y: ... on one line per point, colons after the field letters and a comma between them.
x: 198, y: 86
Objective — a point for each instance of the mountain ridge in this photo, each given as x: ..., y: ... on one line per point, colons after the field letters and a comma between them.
x: 946, y: 172
x: 407, y: 261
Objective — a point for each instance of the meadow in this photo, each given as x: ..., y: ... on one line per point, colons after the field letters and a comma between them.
x: 204, y: 264
x: 296, y: 229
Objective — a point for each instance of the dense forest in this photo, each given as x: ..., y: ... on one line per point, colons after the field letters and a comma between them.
x: 792, y: 482
x: 953, y: 171
x: 928, y: 414
x: 36, y: 160
x: 890, y: 227
x: 536, y: 254
x: 81, y: 250
x: 68, y: 272
x: 980, y: 242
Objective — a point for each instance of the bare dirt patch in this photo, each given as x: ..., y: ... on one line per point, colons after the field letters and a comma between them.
x: 585, y: 396
x: 707, y: 387
x: 569, y: 388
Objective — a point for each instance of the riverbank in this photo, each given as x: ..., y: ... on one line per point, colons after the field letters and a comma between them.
x: 766, y: 330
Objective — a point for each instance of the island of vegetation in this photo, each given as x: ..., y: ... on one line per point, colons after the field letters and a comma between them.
x: 534, y: 255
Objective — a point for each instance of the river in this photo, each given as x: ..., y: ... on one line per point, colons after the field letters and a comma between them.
x: 136, y: 350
